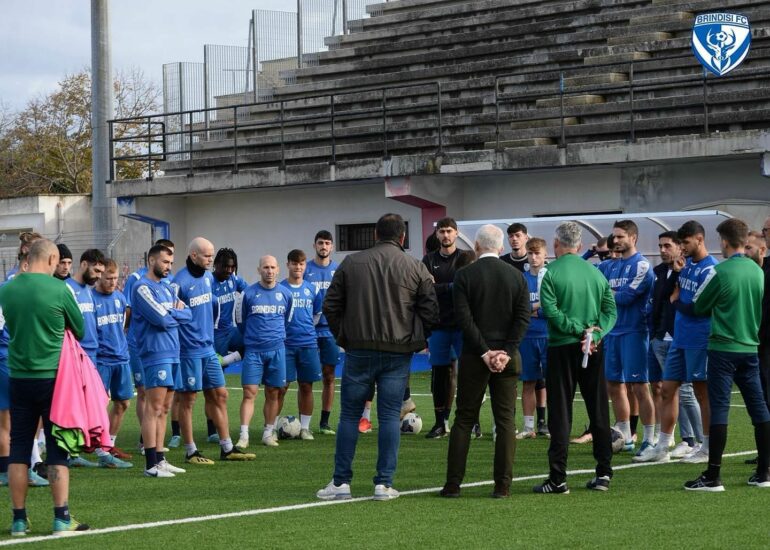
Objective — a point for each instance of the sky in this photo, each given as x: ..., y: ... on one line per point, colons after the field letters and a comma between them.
x: 41, y: 41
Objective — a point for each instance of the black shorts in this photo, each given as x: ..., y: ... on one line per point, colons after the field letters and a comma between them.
x: 31, y: 400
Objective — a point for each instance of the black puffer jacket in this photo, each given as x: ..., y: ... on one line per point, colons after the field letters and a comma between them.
x: 381, y: 299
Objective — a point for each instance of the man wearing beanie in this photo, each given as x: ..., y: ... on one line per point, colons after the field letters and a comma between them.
x: 65, y: 262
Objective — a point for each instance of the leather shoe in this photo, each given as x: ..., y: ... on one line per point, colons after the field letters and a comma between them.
x: 501, y: 491
x: 450, y: 490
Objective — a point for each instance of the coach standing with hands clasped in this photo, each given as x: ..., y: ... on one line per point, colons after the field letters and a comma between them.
x: 491, y: 302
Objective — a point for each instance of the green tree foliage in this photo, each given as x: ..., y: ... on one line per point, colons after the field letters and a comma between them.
x: 46, y: 147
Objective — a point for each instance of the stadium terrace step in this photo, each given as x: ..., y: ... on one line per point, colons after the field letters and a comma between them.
x: 586, y: 99
x: 595, y: 79
x: 616, y: 58
x: 639, y: 38
x: 514, y: 143
x: 543, y: 123
x: 675, y: 17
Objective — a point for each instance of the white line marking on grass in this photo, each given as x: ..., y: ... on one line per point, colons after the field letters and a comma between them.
x: 304, y: 506
x: 239, y: 388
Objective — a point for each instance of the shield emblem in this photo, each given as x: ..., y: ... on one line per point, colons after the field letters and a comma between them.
x: 721, y: 41
x: 190, y: 380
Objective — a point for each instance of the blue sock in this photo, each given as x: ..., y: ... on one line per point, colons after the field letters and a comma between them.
x: 3, y: 464
x: 61, y: 512
x: 175, y: 428
x: 689, y: 440
x: 19, y: 513
x: 325, y: 418
x: 160, y: 454
x: 150, y: 457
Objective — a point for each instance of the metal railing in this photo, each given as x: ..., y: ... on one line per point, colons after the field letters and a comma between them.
x: 238, y: 121
x: 631, y: 88
x: 286, y: 113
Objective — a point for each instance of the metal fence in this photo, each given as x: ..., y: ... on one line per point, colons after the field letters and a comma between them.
x: 317, y: 20
x: 274, y: 49
x: 182, y: 91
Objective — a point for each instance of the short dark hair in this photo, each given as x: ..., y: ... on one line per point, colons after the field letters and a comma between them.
x: 734, y: 231
x: 432, y: 243
x: 629, y: 226
x: 446, y: 222
x: 157, y: 249
x: 296, y: 255
x: 673, y: 235
x: 602, y: 241
x: 93, y: 256
x: 611, y: 241
x: 390, y: 227
x: 324, y: 235
x: 516, y: 227
x: 224, y: 255
x: 167, y: 243
x: 690, y: 229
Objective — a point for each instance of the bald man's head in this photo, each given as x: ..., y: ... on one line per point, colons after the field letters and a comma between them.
x: 43, y: 257
x: 201, y: 252
x: 268, y: 271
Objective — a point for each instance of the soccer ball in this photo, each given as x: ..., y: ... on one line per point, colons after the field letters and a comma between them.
x: 288, y: 427
x: 411, y: 424
x: 618, y: 441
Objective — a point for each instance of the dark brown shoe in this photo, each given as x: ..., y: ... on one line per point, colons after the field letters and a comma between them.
x: 501, y: 491
x: 450, y: 490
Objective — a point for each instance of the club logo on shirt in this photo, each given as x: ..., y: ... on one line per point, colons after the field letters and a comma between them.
x: 230, y: 284
x: 190, y: 380
x: 208, y: 283
x: 307, y: 292
x: 117, y: 303
x: 162, y: 374
x: 697, y: 272
x: 628, y: 269
x: 279, y: 296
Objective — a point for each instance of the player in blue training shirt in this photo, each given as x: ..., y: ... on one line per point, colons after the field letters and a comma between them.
x: 112, y: 356
x: 137, y: 372
x: 625, y: 347
x: 5, y: 403
x: 262, y: 313
x: 157, y: 314
x: 199, y: 364
x: 227, y: 285
x: 320, y: 271
x: 534, y: 347
x: 303, y: 364
x: 687, y: 359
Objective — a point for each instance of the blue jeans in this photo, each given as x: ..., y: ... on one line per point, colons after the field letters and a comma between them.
x: 362, y: 369
x: 743, y: 368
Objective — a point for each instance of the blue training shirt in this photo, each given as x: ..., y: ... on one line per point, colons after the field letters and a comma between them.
x: 156, y: 322
x: 631, y: 280
x: 85, y: 299
x: 262, y: 315
x: 306, y: 305
x: 225, y: 292
x: 692, y: 332
x: 538, y: 325
x: 321, y: 277
x: 110, y: 319
x: 5, y: 337
x: 196, y: 338
x: 128, y: 287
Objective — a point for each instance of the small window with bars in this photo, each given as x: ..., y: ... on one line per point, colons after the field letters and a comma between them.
x: 360, y: 236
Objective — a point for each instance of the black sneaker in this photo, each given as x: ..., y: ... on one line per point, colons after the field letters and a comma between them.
x: 549, y: 486
x: 705, y: 484
x: 41, y: 469
x: 599, y: 483
x: 757, y: 480
x: 542, y: 429
x: 752, y: 460
x: 438, y: 431
x: 476, y: 431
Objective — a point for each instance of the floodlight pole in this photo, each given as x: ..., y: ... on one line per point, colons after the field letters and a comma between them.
x: 102, y: 206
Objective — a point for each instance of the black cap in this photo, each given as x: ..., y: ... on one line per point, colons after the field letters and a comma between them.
x: 64, y: 252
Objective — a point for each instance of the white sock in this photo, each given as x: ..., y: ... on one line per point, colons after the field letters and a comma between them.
x: 625, y: 428
x: 705, y: 445
x: 657, y: 430
x: 41, y: 435
x: 649, y: 432
x: 35, y: 457
x: 268, y: 431
x: 101, y: 452
x: 245, y: 431
x: 112, y: 439
x: 231, y: 358
x: 367, y: 413
x: 529, y: 423
x: 190, y: 448
x: 226, y: 444
x: 304, y: 421
x: 664, y: 439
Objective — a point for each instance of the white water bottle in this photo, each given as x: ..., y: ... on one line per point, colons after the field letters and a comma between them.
x: 587, y: 347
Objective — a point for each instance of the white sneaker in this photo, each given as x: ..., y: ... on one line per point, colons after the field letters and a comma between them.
x: 655, y: 453
x: 157, y: 472
x: 306, y: 434
x: 332, y: 492
x: 383, y: 492
x: 270, y: 441
x: 168, y: 467
x: 243, y: 442
x: 681, y: 450
x: 700, y: 456
x: 526, y: 434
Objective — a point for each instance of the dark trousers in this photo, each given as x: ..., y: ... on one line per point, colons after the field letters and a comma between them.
x: 563, y: 376
x: 473, y: 376
x: 764, y: 370
x: 30, y: 401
